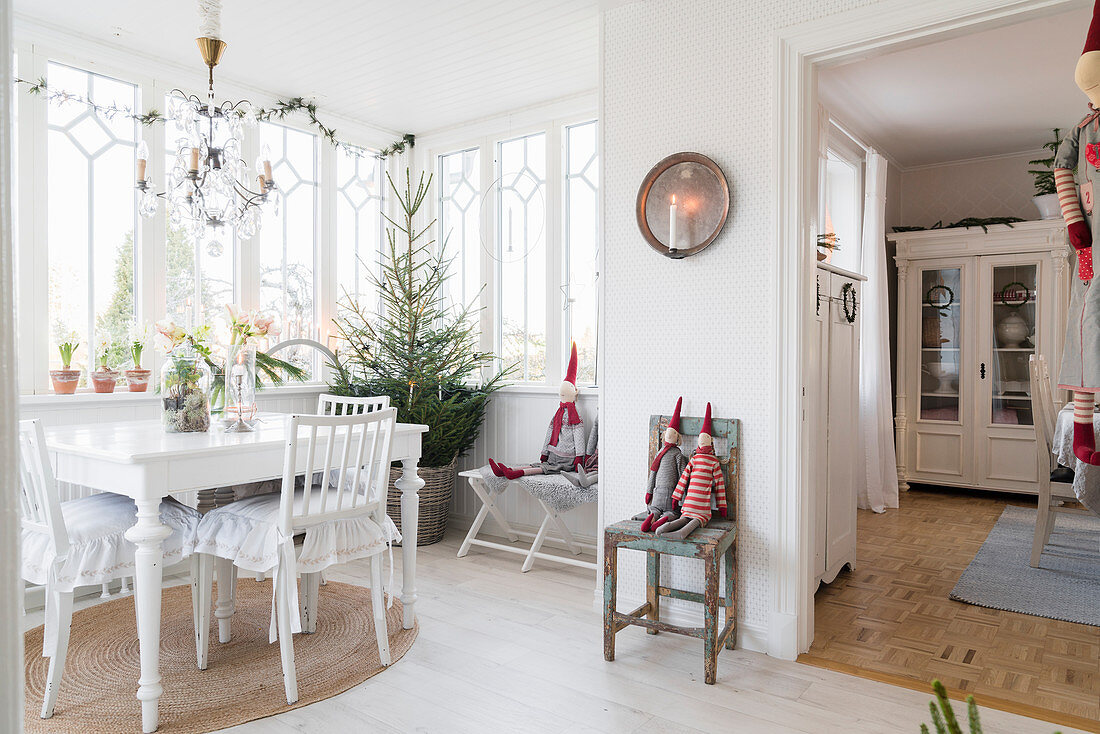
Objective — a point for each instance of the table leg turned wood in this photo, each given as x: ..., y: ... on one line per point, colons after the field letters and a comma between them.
x: 224, y: 606
x: 712, y: 561
x: 653, y: 580
x: 148, y: 535
x: 610, y: 583
x: 410, y: 484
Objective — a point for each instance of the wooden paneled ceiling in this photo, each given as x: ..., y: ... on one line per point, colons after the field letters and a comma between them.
x: 414, y: 66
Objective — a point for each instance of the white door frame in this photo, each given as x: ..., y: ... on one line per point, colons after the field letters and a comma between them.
x: 11, y: 618
x: 873, y: 30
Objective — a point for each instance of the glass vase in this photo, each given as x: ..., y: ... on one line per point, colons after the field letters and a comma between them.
x: 184, y: 391
x: 240, y: 388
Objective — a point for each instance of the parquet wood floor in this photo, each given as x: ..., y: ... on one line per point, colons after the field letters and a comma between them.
x: 891, y: 618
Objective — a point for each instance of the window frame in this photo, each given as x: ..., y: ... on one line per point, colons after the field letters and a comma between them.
x: 35, y: 48
x: 486, y: 137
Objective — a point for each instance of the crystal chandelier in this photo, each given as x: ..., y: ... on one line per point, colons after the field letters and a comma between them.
x: 206, y: 186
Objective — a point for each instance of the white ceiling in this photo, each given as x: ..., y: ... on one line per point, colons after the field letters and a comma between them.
x: 415, y: 66
x: 990, y: 93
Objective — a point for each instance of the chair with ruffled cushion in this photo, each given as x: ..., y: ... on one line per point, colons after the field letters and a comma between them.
x: 339, y: 517
x: 78, y: 543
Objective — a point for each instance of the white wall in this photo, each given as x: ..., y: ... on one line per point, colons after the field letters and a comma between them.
x: 697, y: 75
x: 985, y: 187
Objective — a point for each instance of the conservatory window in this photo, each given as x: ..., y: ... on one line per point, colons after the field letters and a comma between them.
x: 199, y: 259
x: 459, y: 223
x: 360, y: 192
x: 90, y: 230
x: 521, y: 250
x: 288, y: 237
x: 582, y: 244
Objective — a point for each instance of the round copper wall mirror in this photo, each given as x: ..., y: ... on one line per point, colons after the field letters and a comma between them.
x: 683, y: 204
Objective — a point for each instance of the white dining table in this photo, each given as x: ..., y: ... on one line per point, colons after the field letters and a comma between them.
x: 140, y: 460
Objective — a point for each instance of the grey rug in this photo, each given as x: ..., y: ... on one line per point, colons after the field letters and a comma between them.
x: 1066, y: 585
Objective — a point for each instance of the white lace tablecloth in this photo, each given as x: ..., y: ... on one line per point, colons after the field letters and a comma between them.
x: 1086, y: 477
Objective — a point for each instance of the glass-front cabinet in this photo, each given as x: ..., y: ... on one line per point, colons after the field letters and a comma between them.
x: 973, y: 307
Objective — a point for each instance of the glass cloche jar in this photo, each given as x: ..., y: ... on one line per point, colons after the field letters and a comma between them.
x: 184, y: 391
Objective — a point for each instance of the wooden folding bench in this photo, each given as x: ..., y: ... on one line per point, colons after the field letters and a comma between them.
x: 710, y: 544
x: 488, y: 494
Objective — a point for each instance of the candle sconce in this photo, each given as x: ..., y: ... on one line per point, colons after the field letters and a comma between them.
x: 240, y: 388
x: 683, y: 204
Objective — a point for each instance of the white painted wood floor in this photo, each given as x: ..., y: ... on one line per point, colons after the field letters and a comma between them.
x: 501, y: 651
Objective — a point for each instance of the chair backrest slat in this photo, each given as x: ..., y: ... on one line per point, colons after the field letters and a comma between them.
x: 353, y: 479
x: 328, y: 404
x: 1043, y: 415
x: 40, y: 503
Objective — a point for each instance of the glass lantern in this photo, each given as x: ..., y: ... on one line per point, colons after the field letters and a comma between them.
x: 184, y: 391
x: 240, y: 388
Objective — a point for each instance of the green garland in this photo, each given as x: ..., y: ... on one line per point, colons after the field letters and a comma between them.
x: 281, y: 109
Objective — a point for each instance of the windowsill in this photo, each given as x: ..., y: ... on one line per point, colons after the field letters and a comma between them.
x: 124, y: 397
x: 524, y: 388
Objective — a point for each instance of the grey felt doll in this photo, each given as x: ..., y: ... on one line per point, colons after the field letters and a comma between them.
x: 588, y: 473
x: 564, y: 446
x: 664, y: 472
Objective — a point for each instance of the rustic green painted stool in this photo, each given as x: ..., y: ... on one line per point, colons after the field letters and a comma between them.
x: 710, y: 544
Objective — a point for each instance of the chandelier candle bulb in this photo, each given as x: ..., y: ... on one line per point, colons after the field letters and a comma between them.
x: 142, y: 160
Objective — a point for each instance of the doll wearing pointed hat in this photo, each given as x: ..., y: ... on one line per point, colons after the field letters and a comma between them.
x: 664, y: 472
x: 701, y: 480
x: 1080, y: 368
x: 564, y: 446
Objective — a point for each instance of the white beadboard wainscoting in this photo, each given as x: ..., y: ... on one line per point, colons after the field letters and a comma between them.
x: 514, y: 429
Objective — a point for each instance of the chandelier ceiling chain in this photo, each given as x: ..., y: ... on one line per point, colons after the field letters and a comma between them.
x: 205, y: 182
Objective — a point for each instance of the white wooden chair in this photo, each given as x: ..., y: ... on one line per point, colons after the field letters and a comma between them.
x: 1052, y: 494
x: 328, y: 404
x: 340, y: 517
x: 78, y: 543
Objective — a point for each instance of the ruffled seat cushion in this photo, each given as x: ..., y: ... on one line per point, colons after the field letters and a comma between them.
x: 247, y: 533
x: 98, y: 550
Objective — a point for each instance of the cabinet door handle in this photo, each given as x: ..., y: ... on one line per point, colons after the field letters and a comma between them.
x: 983, y: 370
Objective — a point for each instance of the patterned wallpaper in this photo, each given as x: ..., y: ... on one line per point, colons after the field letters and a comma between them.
x: 991, y: 187
x: 696, y: 75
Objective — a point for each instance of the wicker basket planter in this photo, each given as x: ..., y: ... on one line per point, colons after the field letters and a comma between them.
x: 435, y: 501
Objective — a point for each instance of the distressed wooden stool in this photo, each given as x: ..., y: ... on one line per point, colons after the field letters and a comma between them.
x: 710, y: 544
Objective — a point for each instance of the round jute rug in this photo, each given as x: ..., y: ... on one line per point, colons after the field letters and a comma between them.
x: 242, y: 682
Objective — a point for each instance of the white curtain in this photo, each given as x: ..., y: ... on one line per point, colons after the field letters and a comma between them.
x: 878, y: 487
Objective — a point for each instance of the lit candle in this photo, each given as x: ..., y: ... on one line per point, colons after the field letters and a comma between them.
x: 142, y: 160
x: 194, y: 159
x: 672, y: 224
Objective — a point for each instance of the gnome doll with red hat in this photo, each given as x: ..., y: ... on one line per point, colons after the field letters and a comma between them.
x: 563, y: 449
x: 664, y: 471
x: 701, y: 480
x: 1080, y: 150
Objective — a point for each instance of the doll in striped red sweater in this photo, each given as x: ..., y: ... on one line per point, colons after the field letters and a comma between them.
x: 701, y: 480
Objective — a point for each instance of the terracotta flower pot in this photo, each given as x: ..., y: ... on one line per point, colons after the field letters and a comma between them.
x: 104, y: 379
x: 138, y: 379
x: 65, y: 381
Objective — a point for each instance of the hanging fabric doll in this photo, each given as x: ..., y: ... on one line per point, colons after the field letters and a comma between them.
x: 563, y: 449
x: 664, y: 472
x: 588, y: 473
x: 1080, y: 150
x: 701, y: 479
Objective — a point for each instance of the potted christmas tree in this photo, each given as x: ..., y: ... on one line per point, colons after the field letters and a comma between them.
x: 420, y: 352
